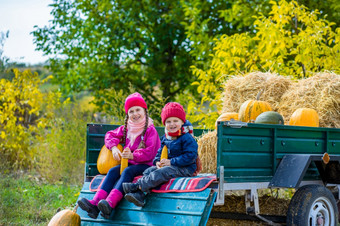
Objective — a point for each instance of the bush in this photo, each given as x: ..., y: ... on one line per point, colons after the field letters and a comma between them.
x: 24, y: 109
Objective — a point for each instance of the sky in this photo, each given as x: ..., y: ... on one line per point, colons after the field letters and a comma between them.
x: 19, y: 17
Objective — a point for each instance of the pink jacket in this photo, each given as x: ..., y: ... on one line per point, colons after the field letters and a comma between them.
x: 142, y: 155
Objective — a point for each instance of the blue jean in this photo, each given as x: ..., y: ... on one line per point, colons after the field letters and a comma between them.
x: 114, y: 180
x: 152, y: 177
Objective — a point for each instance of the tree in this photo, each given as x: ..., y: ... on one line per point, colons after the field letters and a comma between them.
x: 98, y: 45
x: 290, y: 41
x: 24, y: 110
x: 208, y: 20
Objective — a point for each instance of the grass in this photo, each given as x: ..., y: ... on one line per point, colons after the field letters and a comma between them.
x: 29, y: 200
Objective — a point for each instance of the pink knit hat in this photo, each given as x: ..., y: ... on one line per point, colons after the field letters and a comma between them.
x: 173, y: 109
x: 134, y: 99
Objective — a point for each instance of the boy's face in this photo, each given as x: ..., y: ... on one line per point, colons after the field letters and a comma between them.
x: 173, y: 124
x: 136, y: 114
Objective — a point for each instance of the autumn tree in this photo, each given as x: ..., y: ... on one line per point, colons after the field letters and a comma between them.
x: 24, y: 110
x: 290, y: 41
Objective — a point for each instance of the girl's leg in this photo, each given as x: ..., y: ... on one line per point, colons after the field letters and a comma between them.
x: 111, y: 178
x: 107, y: 206
x: 90, y: 206
x: 129, y: 174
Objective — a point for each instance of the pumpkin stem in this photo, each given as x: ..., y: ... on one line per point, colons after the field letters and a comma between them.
x: 259, y: 94
x: 75, y: 208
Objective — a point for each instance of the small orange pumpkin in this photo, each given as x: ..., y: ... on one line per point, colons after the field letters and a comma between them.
x: 304, y: 117
x: 226, y: 117
x: 250, y: 109
x: 65, y: 217
x: 106, y: 161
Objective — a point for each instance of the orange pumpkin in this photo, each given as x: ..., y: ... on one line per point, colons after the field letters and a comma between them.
x: 304, y: 117
x: 65, y: 217
x: 226, y: 117
x: 106, y: 161
x: 250, y: 109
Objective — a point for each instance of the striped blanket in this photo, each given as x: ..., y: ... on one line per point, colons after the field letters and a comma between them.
x: 179, y: 184
x: 186, y: 184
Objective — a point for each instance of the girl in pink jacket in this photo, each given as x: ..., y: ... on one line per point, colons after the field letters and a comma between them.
x: 141, y: 144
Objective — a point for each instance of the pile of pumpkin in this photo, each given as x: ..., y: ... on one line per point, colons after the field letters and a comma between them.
x: 256, y: 111
x: 274, y: 99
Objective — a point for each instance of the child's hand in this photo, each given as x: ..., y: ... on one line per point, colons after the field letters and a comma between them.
x: 165, y: 162
x: 127, y: 154
x: 158, y: 165
x: 116, y: 153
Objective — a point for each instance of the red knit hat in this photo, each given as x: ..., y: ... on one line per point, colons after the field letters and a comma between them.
x: 173, y: 109
x: 134, y: 99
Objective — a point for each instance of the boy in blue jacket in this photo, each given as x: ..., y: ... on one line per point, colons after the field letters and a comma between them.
x: 182, y: 155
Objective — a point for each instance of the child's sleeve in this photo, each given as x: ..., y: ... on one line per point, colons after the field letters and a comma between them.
x: 113, y: 137
x: 189, y: 153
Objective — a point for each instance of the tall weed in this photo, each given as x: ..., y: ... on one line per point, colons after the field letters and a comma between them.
x: 61, y: 151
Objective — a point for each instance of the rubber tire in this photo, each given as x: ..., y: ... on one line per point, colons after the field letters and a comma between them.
x: 302, y: 201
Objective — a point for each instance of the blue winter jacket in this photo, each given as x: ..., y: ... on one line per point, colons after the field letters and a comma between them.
x: 182, y: 151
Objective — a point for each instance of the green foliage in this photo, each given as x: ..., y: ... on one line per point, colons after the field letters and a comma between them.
x: 209, y: 20
x: 105, y: 44
x: 61, y: 147
x: 23, y: 110
x: 29, y: 200
x: 291, y: 41
x: 111, y: 101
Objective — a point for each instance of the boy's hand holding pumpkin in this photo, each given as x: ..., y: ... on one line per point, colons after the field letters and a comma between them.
x: 165, y: 162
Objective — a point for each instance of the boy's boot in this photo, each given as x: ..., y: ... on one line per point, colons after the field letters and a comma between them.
x: 130, y: 187
x: 106, y: 206
x: 136, y: 198
x: 90, y: 206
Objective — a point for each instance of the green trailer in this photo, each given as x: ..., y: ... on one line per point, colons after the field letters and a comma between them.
x: 257, y: 156
x: 249, y: 157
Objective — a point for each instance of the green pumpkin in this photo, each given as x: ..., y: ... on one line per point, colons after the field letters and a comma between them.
x: 270, y: 117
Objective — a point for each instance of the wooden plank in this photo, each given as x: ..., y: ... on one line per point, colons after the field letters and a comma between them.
x: 190, y: 208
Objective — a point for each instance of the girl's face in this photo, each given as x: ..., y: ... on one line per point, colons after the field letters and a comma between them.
x: 136, y: 114
x: 173, y: 124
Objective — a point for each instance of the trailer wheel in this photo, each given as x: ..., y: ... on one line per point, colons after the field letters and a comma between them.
x: 312, y: 205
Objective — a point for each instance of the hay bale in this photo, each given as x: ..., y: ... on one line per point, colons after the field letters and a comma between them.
x: 242, y: 88
x: 320, y: 92
x: 207, y: 151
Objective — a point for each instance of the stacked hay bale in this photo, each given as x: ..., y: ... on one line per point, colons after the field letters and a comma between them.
x: 237, y: 90
x: 207, y: 146
x: 242, y: 88
x: 320, y: 92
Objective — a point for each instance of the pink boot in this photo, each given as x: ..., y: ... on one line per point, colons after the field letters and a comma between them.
x: 90, y: 206
x: 107, y: 206
x: 101, y: 194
